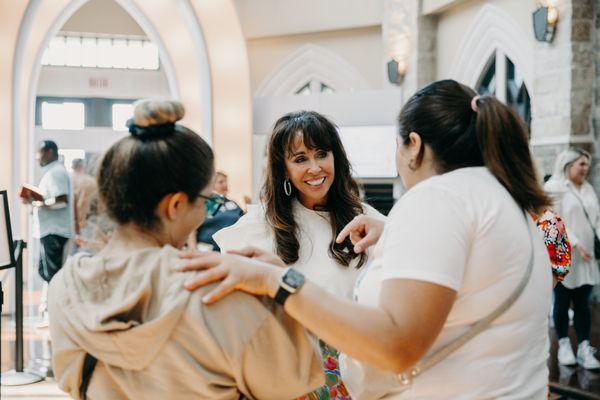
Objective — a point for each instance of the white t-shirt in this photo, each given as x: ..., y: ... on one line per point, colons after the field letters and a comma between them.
x: 568, y: 203
x: 315, y: 235
x: 55, y: 182
x: 462, y: 230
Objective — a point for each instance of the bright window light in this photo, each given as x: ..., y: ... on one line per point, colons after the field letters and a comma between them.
x: 64, y: 116
x: 101, y: 52
x: 120, y: 54
x: 150, y: 58
x: 74, y: 52
x: 68, y: 155
x: 89, y: 52
x: 55, y: 54
x: 136, y: 54
x: 120, y: 114
x: 104, y: 53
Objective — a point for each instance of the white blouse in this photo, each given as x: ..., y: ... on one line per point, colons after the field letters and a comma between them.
x: 315, y: 235
x: 569, y: 202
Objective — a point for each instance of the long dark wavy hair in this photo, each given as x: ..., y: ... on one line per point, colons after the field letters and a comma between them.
x: 343, y: 202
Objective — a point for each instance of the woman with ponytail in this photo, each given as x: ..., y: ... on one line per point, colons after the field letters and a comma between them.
x: 121, y: 326
x: 455, y: 302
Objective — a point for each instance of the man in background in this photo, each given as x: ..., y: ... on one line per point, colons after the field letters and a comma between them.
x: 53, y: 219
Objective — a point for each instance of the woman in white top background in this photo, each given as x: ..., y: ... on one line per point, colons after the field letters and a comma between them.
x: 307, y: 198
x: 455, y: 247
x: 573, y: 197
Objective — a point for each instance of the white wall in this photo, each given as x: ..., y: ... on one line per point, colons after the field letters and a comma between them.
x: 103, y: 16
x: 102, y: 82
x: 267, y: 18
x: 361, y: 47
x: 454, y: 24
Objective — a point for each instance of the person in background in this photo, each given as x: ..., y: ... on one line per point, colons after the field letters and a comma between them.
x: 84, y: 193
x: 221, y: 213
x: 458, y: 256
x: 576, y: 202
x: 121, y: 327
x: 308, y: 196
x: 53, y: 216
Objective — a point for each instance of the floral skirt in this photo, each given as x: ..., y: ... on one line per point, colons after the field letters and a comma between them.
x: 334, y: 388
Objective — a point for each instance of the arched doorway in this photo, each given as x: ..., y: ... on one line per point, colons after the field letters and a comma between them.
x: 204, y: 53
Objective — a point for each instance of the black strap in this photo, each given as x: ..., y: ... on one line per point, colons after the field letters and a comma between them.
x: 89, y: 364
x: 281, y: 296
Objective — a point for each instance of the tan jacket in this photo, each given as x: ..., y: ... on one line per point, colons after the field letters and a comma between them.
x: 155, y: 340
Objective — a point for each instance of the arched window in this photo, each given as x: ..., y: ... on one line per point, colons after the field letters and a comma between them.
x: 502, y: 79
x: 312, y: 69
x: 314, y: 86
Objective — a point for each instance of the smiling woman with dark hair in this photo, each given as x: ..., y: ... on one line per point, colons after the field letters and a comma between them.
x: 308, y: 196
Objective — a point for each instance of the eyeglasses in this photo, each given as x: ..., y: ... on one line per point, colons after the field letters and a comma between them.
x: 213, y: 203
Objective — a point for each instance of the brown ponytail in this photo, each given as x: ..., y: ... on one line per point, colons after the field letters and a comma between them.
x: 485, y: 133
x: 505, y: 149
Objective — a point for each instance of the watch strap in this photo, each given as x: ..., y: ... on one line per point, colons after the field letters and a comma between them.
x: 282, y: 295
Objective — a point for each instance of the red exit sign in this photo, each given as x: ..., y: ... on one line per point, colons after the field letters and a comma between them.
x: 98, y: 82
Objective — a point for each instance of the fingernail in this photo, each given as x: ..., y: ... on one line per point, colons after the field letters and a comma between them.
x: 206, y: 298
x: 189, y: 283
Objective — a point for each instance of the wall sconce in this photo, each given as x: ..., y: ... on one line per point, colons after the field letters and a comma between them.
x: 544, y: 23
x: 396, y: 71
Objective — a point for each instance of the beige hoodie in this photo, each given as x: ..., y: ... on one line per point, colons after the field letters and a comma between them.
x: 155, y: 340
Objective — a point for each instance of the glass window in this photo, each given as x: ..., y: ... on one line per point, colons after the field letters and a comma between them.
x: 67, y: 115
x: 56, y: 53
x: 304, y: 90
x: 119, y: 54
x: 74, y: 51
x: 89, y: 52
x: 136, y: 54
x: 150, y: 56
x: 120, y: 114
x: 101, y: 52
x: 517, y: 95
x: 104, y: 53
x: 326, y: 89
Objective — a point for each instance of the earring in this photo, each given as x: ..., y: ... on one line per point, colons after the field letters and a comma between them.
x: 287, y: 187
x: 411, y: 165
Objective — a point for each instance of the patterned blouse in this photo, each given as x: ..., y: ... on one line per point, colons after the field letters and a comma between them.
x: 334, y: 388
x: 557, y: 243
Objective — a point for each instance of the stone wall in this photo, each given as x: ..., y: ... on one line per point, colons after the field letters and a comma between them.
x: 564, y: 95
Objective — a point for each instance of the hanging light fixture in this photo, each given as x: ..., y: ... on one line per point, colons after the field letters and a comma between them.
x: 545, y: 19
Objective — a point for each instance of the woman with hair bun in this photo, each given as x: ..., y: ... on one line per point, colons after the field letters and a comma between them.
x: 121, y: 326
x: 454, y: 304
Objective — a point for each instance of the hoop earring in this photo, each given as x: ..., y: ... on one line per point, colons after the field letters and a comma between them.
x: 287, y: 187
x: 411, y: 166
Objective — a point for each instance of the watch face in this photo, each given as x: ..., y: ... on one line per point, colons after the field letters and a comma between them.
x: 293, y: 278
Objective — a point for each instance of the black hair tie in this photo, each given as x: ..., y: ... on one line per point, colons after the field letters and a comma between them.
x: 159, y: 131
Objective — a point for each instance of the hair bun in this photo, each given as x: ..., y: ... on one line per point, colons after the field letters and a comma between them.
x: 155, y: 119
x: 157, y: 112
